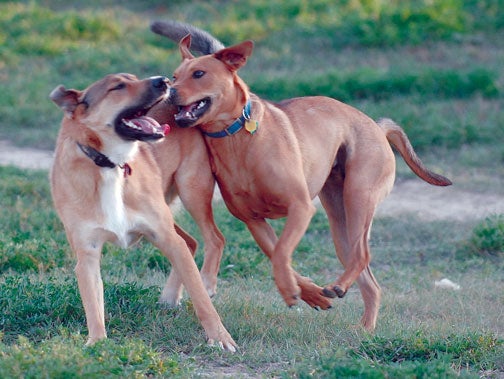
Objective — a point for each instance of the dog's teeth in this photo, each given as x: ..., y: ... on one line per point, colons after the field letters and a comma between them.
x: 131, y: 125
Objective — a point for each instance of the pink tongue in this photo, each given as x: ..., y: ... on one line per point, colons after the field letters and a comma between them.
x: 166, y: 129
x: 150, y: 126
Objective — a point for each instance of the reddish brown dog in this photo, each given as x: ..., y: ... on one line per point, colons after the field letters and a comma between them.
x: 270, y: 160
x: 108, y: 186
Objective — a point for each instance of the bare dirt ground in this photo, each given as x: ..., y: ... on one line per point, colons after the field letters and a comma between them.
x: 24, y: 157
x: 408, y: 196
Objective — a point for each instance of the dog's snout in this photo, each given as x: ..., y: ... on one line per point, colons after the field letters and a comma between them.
x: 159, y: 82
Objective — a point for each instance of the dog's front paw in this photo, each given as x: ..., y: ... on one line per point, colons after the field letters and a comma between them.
x: 312, y: 294
x: 287, y: 285
x: 223, y: 341
x: 291, y: 298
x: 333, y: 292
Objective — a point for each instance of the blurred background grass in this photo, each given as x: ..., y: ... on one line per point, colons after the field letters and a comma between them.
x: 428, y: 61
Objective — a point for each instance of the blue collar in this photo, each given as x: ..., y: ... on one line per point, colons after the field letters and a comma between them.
x: 236, y: 126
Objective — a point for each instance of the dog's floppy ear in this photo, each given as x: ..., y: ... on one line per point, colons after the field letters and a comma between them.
x: 235, y: 57
x: 66, y: 99
x: 184, y: 45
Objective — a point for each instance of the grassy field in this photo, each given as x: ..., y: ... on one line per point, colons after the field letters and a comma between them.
x: 435, y: 67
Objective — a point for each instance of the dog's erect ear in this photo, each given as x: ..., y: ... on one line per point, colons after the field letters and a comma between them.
x: 66, y: 99
x: 184, y: 45
x: 235, y: 57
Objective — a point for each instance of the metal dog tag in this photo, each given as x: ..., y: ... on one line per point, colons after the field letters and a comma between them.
x: 251, y: 126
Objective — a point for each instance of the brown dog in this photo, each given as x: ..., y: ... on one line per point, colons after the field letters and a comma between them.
x: 108, y: 186
x: 270, y: 160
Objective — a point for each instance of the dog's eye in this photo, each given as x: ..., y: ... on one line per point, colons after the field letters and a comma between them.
x: 118, y: 87
x: 198, y: 74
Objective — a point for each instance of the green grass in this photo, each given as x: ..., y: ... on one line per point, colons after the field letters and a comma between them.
x: 422, y: 331
x: 488, y: 236
x: 433, y: 66
x: 405, y: 357
x: 64, y: 357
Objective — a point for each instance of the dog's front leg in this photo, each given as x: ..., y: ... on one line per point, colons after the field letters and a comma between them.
x: 90, y: 284
x: 198, y: 202
x: 267, y: 239
x: 176, y: 250
x: 298, y: 219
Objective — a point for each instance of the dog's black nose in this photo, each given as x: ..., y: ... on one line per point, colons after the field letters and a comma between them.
x: 160, y: 82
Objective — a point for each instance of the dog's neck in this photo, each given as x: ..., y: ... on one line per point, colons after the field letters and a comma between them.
x: 237, y: 106
x: 101, y: 160
x: 236, y: 126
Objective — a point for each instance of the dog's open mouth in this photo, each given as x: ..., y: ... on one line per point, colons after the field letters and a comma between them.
x: 189, y: 114
x: 135, y: 125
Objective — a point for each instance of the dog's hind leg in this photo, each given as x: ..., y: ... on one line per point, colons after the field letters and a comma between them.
x: 331, y: 198
x: 371, y: 294
x: 266, y: 238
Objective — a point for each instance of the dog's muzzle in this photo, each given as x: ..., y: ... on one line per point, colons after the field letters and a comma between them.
x: 188, y: 114
x: 160, y: 82
x: 133, y: 122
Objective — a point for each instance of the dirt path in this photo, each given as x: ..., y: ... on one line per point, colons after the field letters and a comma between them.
x: 409, y: 196
x: 24, y: 157
x: 441, y: 203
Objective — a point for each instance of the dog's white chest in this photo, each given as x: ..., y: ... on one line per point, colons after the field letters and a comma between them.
x: 113, y: 207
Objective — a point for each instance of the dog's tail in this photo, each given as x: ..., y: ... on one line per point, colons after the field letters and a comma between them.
x: 201, y: 41
x: 397, y: 138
